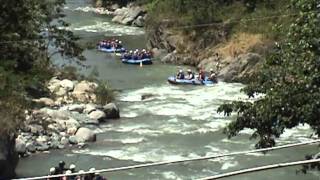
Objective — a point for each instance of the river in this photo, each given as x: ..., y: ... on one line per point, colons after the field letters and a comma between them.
x: 178, y: 122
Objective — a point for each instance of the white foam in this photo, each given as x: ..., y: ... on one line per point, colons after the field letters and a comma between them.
x: 170, y: 175
x: 229, y: 164
x: 109, y: 27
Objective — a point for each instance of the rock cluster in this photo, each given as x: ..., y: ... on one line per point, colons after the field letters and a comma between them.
x: 68, y: 119
x: 130, y: 15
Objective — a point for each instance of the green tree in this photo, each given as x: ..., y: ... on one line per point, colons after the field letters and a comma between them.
x: 31, y: 31
x: 289, y: 82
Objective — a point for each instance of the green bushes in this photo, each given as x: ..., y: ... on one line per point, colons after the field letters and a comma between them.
x: 104, y: 93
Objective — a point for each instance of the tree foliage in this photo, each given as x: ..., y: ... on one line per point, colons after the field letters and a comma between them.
x: 31, y: 31
x: 289, y: 82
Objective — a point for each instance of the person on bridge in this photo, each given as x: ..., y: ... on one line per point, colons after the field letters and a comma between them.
x: 53, y: 172
x: 190, y: 75
x: 60, y: 169
x: 180, y: 74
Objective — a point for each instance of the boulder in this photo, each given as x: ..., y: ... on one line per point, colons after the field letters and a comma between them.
x: 45, y: 101
x: 72, y: 123
x: 36, y: 129
x: 73, y: 140
x: 97, y: 115
x: 64, y: 141
x: 159, y: 53
x: 127, y: 15
x: 72, y: 131
x: 42, y: 147
x: 139, y: 22
x: 31, y: 147
x: 85, y: 135
x: 54, y: 84
x: 111, y: 111
x: 89, y: 108
x: 67, y: 84
x: 60, y: 92
x: 20, y: 146
x: 54, y: 144
x: 76, y: 107
x: 84, y: 91
x: 42, y: 140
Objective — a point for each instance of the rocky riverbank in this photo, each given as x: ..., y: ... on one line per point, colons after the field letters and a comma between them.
x: 131, y: 14
x: 68, y: 119
x: 234, y: 58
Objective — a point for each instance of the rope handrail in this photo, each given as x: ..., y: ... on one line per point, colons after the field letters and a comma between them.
x: 260, y: 168
x: 175, y: 162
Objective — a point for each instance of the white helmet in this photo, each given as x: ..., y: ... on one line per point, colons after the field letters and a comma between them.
x: 81, y: 171
x: 92, y: 169
x: 143, y: 50
x: 68, y: 172
x: 180, y: 70
x: 131, y: 51
x: 211, y: 70
x: 52, y: 169
x: 120, y: 42
x: 72, y: 166
x: 137, y: 50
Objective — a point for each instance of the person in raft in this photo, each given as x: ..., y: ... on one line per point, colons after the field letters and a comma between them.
x: 201, y: 75
x: 180, y: 74
x: 190, y: 74
x: 213, y: 76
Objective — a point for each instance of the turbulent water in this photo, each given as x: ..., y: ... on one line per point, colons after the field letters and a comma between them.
x: 174, y: 123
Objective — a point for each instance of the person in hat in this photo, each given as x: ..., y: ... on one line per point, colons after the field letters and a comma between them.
x: 180, y: 74
x: 72, y: 168
x: 52, y: 171
x: 190, y: 74
x: 212, y: 76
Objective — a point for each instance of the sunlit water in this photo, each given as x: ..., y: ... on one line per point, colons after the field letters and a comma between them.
x: 174, y: 123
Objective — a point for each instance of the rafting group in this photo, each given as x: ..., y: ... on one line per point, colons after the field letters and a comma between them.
x: 190, y: 78
x: 144, y: 57
x: 129, y: 57
x: 61, y: 169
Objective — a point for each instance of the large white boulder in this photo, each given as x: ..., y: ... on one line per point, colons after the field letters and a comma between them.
x: 72, y: 123
x: 111, y: 111
x: 67, y: 84
x: 84, y: 91
x: 85, y: 135
x: 97, y: 115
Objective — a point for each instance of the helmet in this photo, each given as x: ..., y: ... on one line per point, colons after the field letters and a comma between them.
x: 81, y: 171
x: 92, y: 169
x: 180, y: 70
x: 120, y: 42
x: 137, y: 49
x: 143, y: 50
x: 68, y: 172
x: 52, y: 170
x: 72, y: 166
x: 131, y: 51
x: 211, y: 70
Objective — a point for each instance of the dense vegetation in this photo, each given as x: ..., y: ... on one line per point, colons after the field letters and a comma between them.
x: 31, y: 32
x: 289, y: 80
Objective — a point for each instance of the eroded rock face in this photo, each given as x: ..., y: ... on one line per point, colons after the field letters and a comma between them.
x: 127, y: 15
x: 8, y: 157
x: 84, y: 91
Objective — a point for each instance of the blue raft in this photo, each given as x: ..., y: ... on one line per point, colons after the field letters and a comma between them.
x: 111, y: 50
x: 145, y: 61
x: 173, y: 80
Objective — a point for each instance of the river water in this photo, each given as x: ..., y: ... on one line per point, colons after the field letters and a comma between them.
x: 177, y: 122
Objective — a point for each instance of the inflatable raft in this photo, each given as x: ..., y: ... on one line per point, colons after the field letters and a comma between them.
x: 173, y: 80
x: 111, y: 50
x: 146, y: 61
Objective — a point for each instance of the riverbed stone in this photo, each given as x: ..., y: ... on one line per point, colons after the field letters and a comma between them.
x: 111, y: 111
x: 45, y: 101
x: 89, y: 108
x: 72, y: 123
x: 85, y: 135
x: 20, y: 146
x: 73, y: 140
x: 76, y: 107
x: 97, y: 115
x: 31, y: 147
x: 36, y: 129
x: 42, y: 147
x: 64, y: 141
x: 84, y: 91
x: 67, y: 84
